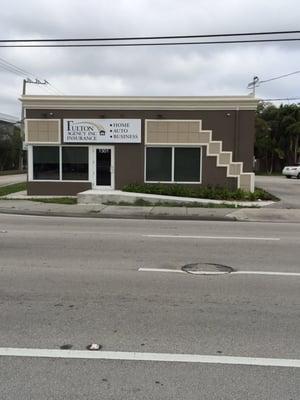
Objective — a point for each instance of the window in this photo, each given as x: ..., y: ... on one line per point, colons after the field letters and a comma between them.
x: 187, y: 164
x: 173, y: 164
x: 46, y: 162
x: 57, y: 163
x: 75, y: 163
x: 159, y: 164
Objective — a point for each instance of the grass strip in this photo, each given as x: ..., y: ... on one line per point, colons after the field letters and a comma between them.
x: 56, y: 200
x: 16, y: 187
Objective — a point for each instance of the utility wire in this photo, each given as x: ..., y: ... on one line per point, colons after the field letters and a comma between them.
x: 149, y: 37
x: 153, y: 44
x: 282, y: 98
x: 6, y: 68
x: 13, y: 67
x: 55, y: 88
x: 279, y: 77
x: 9, y: 67
x: 22, y: 73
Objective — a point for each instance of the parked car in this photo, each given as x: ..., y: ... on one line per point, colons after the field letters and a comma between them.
x: 292, y: 171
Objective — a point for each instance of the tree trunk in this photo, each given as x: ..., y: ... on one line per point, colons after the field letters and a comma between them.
x: 296, y: 149
x: 271, y: 163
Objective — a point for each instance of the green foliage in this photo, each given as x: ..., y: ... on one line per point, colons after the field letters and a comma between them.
x: 144, y: 203
x: 10, y: 146
x: 17, y: 187
x: 208, y: 192
x: 277, y: 135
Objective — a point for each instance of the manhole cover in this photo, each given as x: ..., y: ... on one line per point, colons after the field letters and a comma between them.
x: 207, y: 269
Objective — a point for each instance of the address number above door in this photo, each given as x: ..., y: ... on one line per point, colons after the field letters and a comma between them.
x: 102, y: 130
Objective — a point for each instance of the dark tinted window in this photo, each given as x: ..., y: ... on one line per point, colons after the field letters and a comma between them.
x: 45, y: 162
x: 159, y: 164
x: 75, y: 163
x: 187, y: 164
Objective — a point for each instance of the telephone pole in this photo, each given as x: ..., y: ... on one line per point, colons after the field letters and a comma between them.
x: 252, y: 85
x: 25, y: 81
x: 35, y: 82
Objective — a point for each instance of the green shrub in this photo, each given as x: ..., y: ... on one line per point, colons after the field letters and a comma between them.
x: 206, y: 192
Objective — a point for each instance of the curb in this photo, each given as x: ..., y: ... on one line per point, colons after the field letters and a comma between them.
x: 226, y: 218
x: 162, y: 217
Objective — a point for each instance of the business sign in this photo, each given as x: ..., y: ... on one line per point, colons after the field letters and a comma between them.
x: 102, y: 130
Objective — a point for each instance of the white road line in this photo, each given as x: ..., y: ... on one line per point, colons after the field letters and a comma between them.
x: 271, y: 273
x: 212, y: 237
x: 162, y: 357
x: 161, y: 270
x: 266, y: 273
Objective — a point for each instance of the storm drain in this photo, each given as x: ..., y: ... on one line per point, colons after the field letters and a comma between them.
x: 207, y: 269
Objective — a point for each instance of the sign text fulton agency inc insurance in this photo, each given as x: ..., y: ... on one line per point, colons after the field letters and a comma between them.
x: 102, y: 130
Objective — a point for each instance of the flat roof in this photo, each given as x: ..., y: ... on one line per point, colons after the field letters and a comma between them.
x: 140, y: 102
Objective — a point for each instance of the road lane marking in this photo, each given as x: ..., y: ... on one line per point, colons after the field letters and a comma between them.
x: 212, y: 237
x: 162, y: 357
x: 266, y: 273
x: 161, y: 270
x: 271, y: 273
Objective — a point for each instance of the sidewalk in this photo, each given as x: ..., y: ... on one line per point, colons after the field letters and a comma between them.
x: 27, y: 207
x: 11, y: 179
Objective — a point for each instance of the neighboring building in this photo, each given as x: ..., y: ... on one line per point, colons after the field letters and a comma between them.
x: 77, y: 143
x: 8, y: 121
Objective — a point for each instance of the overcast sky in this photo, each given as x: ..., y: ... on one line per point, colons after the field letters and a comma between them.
x: 181, y: 70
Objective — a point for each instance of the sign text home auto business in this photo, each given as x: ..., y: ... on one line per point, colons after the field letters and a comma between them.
x: 102, y: 130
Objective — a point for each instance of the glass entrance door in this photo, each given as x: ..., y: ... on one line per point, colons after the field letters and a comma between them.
x: 104, y: 167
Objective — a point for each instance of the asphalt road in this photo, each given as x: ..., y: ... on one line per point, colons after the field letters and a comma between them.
x: 76, y: 281
x: 288, y: 190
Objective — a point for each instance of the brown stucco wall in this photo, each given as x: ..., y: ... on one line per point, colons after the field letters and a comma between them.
x: 213, y: 175
x: 56, y: 188
x: 129, y: 164
x: 246, y: 139
x: 234, y: 128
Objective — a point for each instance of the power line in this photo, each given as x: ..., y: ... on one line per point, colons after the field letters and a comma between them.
x: 149, y: 37
x: 3, y: 66
x: 55, y: 88
x: 152, y: 44
x: 282, y: 98
x: 9, y: 67
x: 13, y: 67
x: 279, y: 77
x: 256, y: 82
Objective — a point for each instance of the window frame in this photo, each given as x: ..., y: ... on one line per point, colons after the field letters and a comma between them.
x: 30, y: 163
x: 173, y: 146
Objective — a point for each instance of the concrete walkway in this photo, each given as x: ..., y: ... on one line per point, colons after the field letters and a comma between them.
x: 11, y: 179
x: 117, y: 196
x: 287, y: 190
x: 27, y: 207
